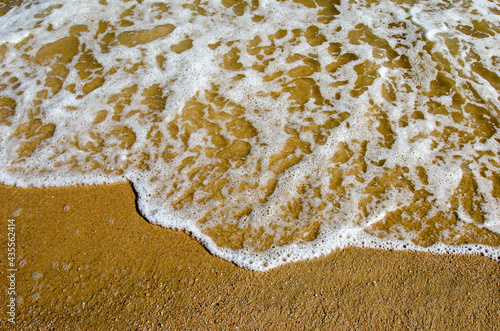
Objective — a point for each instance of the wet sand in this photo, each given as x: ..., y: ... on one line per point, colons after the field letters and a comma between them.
x: 88, y: 261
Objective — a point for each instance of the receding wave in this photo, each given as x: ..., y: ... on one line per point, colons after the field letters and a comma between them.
x: 273, y: 131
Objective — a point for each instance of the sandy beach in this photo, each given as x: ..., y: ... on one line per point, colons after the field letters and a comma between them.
x: 86, y: 260
x: 275, y: 130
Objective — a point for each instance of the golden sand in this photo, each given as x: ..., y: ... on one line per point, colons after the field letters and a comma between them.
x: 87, y: 260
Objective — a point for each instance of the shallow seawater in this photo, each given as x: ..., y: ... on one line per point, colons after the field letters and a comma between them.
x: 273, y: 131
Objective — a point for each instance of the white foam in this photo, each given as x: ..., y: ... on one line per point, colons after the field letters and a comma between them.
x: 188, y: 75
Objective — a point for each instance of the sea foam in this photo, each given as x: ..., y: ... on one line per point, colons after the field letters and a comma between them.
x: 272, y: 131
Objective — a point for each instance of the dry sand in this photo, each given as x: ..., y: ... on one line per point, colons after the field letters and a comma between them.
x: 88, y: 261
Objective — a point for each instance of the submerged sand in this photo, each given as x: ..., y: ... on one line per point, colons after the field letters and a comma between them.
x: 356, y: 123
x: 88, y: 261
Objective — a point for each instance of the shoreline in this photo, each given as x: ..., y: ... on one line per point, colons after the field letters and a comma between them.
x: 86, y: 259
